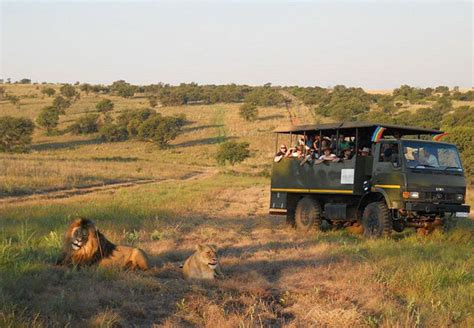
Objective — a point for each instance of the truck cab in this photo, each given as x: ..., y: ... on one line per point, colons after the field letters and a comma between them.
x: 400, y: 179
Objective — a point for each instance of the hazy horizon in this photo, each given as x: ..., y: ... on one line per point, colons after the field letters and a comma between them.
x: 374, y: 45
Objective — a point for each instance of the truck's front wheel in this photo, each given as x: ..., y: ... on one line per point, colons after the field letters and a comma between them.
x: 376, y: 220
x: 308, y: 214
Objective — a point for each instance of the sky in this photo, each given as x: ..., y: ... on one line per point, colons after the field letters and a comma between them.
x: 371, y: 44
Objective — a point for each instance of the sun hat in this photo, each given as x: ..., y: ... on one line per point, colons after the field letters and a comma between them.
x: 366, y: 150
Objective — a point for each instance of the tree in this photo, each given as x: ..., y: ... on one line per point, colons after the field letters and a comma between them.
x: 248, y: 111
x: 68, y: 91
x: 463, y: 137
x: 442, y: 89
x: 85, y: 124
x: 48, y: 119
x: 61, y: 104
x: 233, y: 152
x: 25, y: 81
x: 265, y: 96
x: 48, y: 91
x: 160, y: 129
x: 105, y: 105
x: 141, y: 115
x: 15, y: 133
x: 123, y: 88
x: 461, y: 116
x: 153, y: 101
x: 86, y: 87
x: 113, y: 133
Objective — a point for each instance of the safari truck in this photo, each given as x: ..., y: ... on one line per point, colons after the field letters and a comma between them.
x: 402, y: 179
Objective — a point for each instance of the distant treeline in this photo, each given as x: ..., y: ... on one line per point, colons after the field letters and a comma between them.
x: 350, y: 104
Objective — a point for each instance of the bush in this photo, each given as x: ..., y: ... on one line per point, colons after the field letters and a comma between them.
x: 15, y: 133
x: 61, y: 104
x: 105, y: 105
x: 463, y: 136
x: 153, y: 102
x: 68, y: 91
x: 48, y: 118
x: 85, y: 125
x: 48, y: 91
x: 123, y: 89
x: 160, y: 129
x: 248, y: 112
x: 265, y: 96
x: 85, y: 87
x: 141, y: 115
x: 113, y: 133
x: 233, y: 152
x: 14, y: 100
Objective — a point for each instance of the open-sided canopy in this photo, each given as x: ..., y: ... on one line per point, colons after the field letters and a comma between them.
x: 349, y: 127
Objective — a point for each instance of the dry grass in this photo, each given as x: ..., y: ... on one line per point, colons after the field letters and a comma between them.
x: 60, y: 162
x: 276, y: 277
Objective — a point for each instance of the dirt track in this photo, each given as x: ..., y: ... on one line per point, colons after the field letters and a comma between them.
x: 65, y: 193
x: 298, y: 111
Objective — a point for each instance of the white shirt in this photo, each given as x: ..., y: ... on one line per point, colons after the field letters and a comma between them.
x: 330, y: 157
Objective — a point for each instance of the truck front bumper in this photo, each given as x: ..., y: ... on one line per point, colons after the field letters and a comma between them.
x: 436, y: 208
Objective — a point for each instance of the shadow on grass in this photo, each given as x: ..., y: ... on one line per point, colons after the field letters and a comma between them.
x: 116, y: 159
x: 67, y: 144
x: 270, y: 117
x: 204, y: 141
x: 201, y: 127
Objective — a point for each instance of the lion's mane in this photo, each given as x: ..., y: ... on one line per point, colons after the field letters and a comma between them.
x: 96, y: 248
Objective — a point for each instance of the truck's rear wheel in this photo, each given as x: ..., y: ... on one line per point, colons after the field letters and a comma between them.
x: 376, y: 220
x: 308, y: 214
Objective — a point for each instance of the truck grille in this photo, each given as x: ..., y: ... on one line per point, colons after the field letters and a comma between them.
x: 437, y: 196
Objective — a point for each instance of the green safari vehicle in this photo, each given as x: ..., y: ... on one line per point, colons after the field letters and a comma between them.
x: 402, y: 178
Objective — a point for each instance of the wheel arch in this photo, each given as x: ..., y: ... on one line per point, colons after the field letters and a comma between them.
x: 373, y: 196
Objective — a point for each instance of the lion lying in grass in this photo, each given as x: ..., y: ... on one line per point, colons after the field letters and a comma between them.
x: 203, y: 264
x: 84, y: 245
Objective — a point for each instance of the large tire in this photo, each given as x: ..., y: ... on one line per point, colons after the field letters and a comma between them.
x: 308, y: 214
x: 376, y: 220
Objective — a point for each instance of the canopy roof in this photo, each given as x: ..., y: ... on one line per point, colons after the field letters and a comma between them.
x: 351, y: 126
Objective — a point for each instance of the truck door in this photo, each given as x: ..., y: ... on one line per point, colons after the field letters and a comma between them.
x: 387, y: 173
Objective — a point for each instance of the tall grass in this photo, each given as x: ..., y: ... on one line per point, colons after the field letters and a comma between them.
x: 427, y: 280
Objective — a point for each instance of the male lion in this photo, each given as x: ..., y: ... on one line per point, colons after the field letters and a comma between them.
x: 203, y: 264
x: 84, y: 245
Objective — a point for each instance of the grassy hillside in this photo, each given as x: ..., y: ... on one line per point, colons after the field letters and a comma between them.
x: 276, y: 277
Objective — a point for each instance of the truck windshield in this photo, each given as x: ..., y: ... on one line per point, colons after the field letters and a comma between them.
x: 424, y: 155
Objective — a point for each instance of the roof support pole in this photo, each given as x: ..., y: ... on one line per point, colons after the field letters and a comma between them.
x: 320, y: 142
x: 357, y: 142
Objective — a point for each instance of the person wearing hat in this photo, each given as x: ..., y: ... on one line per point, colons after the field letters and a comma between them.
x: 365, y: 152
x: 327, y: 156
x: 346, y: 154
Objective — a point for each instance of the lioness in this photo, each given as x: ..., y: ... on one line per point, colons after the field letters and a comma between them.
x: 84, y: 245
x: 203, y: 264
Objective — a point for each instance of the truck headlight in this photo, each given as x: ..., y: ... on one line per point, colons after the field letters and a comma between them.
x: 460, y: 197
x: 411, y: 194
